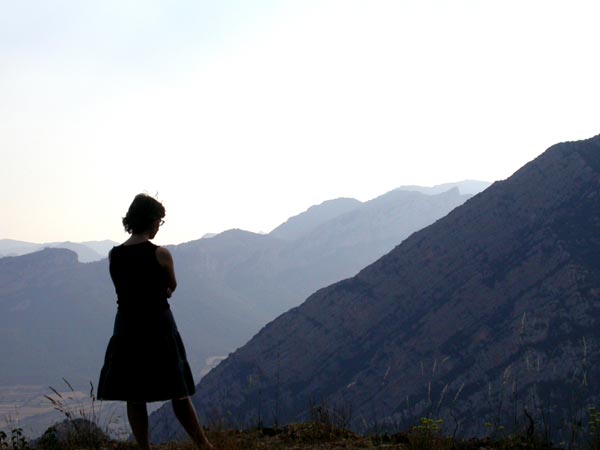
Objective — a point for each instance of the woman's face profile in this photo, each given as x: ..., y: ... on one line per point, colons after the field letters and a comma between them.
x: 155, y: 227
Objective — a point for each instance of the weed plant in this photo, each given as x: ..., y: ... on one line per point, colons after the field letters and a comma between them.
x: 427, y: 435
x: 16, y: 441
x: 86, y: 425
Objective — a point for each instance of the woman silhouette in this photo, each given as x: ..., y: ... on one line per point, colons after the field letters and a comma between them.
x: 145, y: 360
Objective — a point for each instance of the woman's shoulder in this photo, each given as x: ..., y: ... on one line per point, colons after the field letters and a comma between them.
x: 162, y: 252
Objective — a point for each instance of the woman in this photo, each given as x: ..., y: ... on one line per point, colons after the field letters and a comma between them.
x: 145, y: 360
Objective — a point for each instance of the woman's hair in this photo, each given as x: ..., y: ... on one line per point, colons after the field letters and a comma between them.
x: 142, y: 213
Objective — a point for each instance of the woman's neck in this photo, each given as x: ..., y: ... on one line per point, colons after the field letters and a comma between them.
x: 137, y: 238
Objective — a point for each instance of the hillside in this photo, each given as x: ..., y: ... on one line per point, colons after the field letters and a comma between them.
x: 488, y: 311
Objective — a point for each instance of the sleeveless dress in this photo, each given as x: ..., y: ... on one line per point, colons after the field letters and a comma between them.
x: 145, y: 359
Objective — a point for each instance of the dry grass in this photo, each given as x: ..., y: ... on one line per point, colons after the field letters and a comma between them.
x: 313, y: 436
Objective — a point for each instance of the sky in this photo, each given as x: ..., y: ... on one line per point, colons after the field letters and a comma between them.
x: 240, y: 114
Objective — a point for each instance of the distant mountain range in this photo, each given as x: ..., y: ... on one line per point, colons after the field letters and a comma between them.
x: 489, y: 315
x: 86, y: 251
x: 56, y: 313
x: 465, y: 187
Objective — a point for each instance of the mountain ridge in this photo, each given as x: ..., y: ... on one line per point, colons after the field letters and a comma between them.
x: 316, y: 215
x: 88, y: 251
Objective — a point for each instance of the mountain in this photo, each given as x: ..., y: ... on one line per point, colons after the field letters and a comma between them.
x: 306, y: 222
x: 100, y: 247
x: 347, y: 243
x: 86, y: 251
x: 491, y: 311
x: 314, y: 216
x: 270, y: 275
x: 465, y: 187
x: 11, y: 247
x: 56, y: 312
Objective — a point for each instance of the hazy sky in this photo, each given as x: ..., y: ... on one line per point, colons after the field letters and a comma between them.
x: 243, y: 113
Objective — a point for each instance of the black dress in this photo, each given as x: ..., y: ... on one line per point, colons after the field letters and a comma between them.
x: 145, y: 360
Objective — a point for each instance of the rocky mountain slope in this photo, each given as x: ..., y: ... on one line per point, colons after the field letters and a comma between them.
x: 488, y: 312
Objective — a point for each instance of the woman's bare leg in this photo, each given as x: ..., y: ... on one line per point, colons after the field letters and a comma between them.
x: 186, y: 414
x: 138, y: 420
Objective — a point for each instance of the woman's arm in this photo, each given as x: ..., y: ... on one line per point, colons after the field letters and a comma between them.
x: 164, y: 258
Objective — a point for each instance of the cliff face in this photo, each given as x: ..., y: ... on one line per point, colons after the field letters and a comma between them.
x: 490, y: 310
